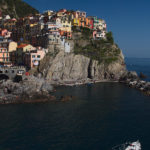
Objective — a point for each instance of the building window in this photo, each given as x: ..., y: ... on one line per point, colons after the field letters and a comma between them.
x: 38, y: 56
x: 33, y: 56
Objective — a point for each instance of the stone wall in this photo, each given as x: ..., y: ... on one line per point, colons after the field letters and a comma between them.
x: 11, y: 72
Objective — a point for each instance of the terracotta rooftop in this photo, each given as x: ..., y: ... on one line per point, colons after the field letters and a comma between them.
x: 22, y: 45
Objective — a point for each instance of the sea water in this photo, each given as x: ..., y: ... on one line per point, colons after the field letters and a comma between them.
x: 99, y: 117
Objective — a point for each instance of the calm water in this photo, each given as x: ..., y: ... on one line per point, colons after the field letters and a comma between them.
x: 100, y: 117
x: 139, y: 65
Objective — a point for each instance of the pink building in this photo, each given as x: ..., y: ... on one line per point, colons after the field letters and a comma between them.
x: 3, y: 32
x: 33, y: 58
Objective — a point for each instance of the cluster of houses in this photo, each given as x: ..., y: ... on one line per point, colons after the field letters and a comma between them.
x: 25, y: 41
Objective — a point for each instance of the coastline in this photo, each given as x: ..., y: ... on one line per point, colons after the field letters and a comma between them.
x: 43, y: 97
x: 132, y: 80
x: 78, y: 83
x: 42, y: 93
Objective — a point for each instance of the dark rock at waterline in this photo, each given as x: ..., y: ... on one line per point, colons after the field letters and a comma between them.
x: 142, y: 76
x: 132, y: 75
x: 132, y: 80
x: 66, y: 98
x: 30, y: 88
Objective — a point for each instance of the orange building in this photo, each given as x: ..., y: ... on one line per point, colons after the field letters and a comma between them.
x: 66, y: 34
x: 82, y: 22
x: 89, y: 23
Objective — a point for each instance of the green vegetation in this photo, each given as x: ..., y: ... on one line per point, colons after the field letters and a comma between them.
x: 16, y: 8
x: 103, y: 50
x: 86, y: 32
x: 109, y: 37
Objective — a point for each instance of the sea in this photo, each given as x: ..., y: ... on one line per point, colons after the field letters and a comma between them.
x: 99, y: 117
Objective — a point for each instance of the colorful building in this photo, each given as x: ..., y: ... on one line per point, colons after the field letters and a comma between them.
x: 89, y: 23
x: 21, y: 50
x: 3, y: 32
x: 99, y: 34
x: 82, y: 22
x: 79, y: 14
x: 66, y: 29
x: 10, y: 45
x: 99, y: 24
x: 76, y: 22
x: 11, y: 50
x: 61, y: 13
x: 33, y: 58
x: 4, y: 57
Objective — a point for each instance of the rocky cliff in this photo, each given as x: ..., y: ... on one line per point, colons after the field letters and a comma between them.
x: 70, y: 67
x: 88, y: 61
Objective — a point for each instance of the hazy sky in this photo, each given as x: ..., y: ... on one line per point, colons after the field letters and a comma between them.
x: 129, y: 20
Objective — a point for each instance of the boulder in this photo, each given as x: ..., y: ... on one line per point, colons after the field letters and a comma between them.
x: 142, y: 76
x: 129, y: 75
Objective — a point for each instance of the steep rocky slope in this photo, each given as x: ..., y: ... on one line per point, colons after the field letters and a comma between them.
x: 16, y: 8
x: 89, y: 60
x: 65, y: 68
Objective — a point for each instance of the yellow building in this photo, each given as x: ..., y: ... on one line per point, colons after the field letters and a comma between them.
x: 25, y: 47
x: 66, y: 25
x: 76, y: 22
x: 12, y: 46
x: 49, y: 13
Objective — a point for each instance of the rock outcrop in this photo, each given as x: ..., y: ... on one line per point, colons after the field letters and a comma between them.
x: 132, y: 80
x: 73, y: 68
x: 30, y: 89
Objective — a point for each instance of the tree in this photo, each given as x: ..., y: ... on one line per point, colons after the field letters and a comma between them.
x: 109, y: 37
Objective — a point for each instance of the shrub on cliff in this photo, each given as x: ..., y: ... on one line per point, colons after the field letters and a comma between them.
x: 86, y: 32
x: 109, y: 37
x: 100, y: 50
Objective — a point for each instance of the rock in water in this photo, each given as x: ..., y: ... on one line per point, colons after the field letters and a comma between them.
x: 142, y: 76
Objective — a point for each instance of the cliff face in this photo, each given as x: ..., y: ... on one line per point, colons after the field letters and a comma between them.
x: 88, y: 60
x: 70, y: 67
x: 16, y: 8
